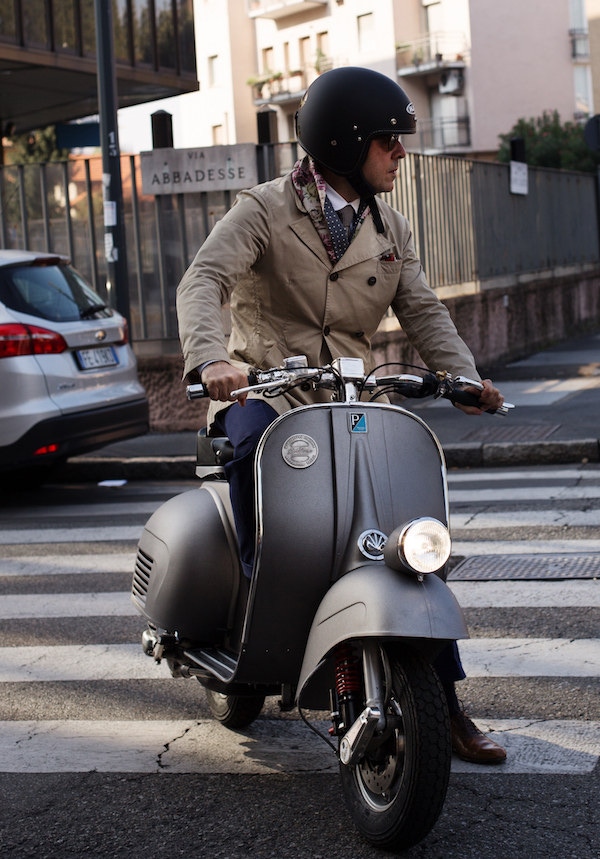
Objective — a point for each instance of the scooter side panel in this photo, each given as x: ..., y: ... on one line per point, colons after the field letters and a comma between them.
x: 377, y: 602
x: 187, y: 574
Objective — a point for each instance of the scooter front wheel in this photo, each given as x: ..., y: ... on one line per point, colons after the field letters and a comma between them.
x: 234, y: 711
x: 395, y: 794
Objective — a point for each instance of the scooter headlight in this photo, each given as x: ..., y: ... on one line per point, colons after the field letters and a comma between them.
x: 422, y: 546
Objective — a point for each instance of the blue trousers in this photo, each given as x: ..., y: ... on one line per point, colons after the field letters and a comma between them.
x: 244, y: 425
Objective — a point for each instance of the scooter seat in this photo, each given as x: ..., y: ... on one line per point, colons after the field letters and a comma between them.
x: 213, y: 451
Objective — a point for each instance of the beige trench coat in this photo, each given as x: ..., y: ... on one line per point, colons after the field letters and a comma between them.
x: 266, y: 258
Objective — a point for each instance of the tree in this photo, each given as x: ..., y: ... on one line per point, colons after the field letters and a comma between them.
x: 25, y: 160
x: 551, y: 143
x: 36, y: 146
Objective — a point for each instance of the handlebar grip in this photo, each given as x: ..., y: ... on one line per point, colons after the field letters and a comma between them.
x: 463, y: 398
x: 196, y: 392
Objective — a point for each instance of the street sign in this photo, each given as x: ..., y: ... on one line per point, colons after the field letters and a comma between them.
x: 214, y: 168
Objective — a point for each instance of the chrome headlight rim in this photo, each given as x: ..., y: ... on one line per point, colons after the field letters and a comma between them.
x: 421, y: 546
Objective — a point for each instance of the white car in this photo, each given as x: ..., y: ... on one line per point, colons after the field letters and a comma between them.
x: 68, y: 376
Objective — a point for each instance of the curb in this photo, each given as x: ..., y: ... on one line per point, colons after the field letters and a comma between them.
x: 473, y: 455
x: 489, y: 455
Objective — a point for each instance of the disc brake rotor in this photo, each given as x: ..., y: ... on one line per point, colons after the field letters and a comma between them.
x: 378, y: 771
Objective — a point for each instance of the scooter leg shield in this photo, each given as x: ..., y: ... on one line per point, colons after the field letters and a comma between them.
x: 374, y: 601
x: 187, y: 575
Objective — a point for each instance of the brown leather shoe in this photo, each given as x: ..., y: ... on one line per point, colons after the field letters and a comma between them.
x: 470, y: 744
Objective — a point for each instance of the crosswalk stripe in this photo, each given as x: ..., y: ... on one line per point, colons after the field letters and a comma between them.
x: 553, y: 594
x: 470, y: 594
x: 525, y: 519
x: 469, y: 548
x: 49, y: 565
x: 110, y: 533
x: 529, y: 476
x: 111, y: 604
x: 531, y: 657
x: 483, y: 657
x: 268, y: 746
x: 533, y: 493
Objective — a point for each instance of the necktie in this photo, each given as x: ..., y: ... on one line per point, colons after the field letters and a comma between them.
x: 347, y: 217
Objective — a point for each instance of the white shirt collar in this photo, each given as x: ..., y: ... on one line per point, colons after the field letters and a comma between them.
x: 337, y: 201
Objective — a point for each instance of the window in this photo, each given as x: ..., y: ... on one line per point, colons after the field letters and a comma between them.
x: 35, y: 24
x: 213, y: 70
x: 583, y: 91
x: 143, y: 39
x: 267, y: 59
x: 8, y: 24
x: 187, y: 45
x: 165, y: 34
x: 304, y: 51
x: 64, y: 26
x: 366, y: 32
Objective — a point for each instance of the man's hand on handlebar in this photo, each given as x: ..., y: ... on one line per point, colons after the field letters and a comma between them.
x: 221, y: 378
x: 489, y: 398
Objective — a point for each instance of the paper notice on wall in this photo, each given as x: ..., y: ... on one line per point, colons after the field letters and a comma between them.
x: 110, y: 213
x: 519, y: 183
x: 111, y: 253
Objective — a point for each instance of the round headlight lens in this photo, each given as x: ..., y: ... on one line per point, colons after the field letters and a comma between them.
x: 425, y: 545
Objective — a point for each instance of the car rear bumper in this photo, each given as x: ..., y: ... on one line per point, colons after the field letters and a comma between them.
x: 76, y: 433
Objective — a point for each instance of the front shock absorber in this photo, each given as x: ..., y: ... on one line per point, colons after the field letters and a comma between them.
x: 348, y: 685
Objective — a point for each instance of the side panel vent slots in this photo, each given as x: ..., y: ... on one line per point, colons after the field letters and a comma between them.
x: 141, y: 576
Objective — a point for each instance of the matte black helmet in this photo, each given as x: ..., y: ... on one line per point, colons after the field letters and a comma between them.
x: 343, y: 109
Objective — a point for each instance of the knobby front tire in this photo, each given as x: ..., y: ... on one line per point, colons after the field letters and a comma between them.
x: 396, y: 793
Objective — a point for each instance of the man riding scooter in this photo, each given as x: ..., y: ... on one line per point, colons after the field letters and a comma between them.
x: 301, y: 281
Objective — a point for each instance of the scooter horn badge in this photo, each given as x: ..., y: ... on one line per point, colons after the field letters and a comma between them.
x: 300, y: 451
x: 371, y: 543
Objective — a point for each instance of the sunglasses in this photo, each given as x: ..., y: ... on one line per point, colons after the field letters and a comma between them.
x: 389, y: 140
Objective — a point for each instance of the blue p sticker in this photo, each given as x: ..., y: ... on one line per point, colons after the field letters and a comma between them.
x: 357, y: 421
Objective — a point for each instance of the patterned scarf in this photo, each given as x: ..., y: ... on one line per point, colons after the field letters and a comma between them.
x: 311, y: 189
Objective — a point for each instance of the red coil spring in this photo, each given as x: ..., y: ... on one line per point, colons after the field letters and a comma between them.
x: 347, y: 670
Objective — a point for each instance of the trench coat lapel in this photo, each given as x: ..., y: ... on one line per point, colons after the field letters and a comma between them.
x: 307, y: 234
x: 366, y: 244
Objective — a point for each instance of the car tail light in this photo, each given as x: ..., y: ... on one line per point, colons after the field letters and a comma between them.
x: 46, y: 449
x: 17, y: 339
x: 124, y: 339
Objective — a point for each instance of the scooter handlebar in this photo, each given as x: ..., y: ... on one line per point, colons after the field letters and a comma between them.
x: 278, y: 380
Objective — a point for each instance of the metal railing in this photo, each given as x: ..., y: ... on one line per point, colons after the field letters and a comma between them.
x: 467, y: 226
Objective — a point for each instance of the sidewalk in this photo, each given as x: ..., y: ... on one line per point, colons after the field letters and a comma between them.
x: 556, y: 419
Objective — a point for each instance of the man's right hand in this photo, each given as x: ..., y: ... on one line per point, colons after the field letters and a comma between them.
x: 221, y: 378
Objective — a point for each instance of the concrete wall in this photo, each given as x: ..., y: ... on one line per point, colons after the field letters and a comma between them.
x: 499, y: 325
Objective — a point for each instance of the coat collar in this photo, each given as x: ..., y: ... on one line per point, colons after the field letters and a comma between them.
x: 366, y: 244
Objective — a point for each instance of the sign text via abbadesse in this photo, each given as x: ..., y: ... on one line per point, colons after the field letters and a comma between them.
x: 214, y: 168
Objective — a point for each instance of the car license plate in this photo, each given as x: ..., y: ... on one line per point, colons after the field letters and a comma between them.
x: 91, y: 359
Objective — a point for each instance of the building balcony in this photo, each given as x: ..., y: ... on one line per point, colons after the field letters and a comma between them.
x: 442, y: 135
x: 281, y: 8
x: 287, y: 86
x: 432, y: 52
x: 580, y: 44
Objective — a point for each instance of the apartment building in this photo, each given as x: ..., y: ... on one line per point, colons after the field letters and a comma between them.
x: 472, y: 67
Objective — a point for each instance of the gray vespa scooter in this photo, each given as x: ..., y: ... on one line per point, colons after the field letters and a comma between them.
x: 347, y: 605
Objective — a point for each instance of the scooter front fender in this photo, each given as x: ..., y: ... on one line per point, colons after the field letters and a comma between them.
x: 375, y: 601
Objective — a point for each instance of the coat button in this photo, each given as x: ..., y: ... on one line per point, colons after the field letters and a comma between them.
x: 334, y: 275
x: 326, y: 330
x: 372, y: 281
